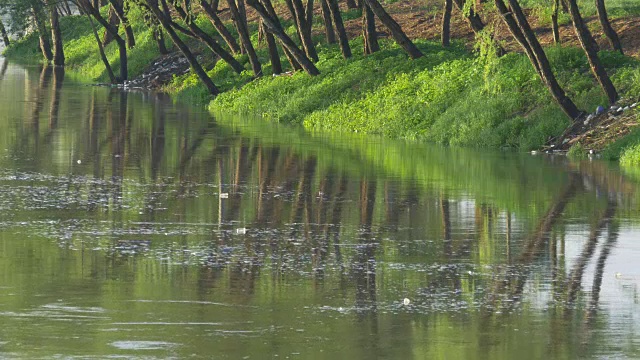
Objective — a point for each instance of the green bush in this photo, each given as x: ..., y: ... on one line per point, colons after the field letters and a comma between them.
x: 577, y: 152
x: 631, y: 156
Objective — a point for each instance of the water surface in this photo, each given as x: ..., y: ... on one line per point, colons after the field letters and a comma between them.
x: 134, y: 227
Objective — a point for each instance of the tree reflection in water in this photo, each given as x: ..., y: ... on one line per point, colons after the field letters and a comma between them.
x: 167, y: 192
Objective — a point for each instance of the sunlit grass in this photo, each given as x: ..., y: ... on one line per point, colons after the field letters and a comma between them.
x: 631, y: 156
x: 445, y: 97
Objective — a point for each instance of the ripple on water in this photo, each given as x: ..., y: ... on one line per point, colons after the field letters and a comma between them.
x: 60, y: 312
x: 143, y: 345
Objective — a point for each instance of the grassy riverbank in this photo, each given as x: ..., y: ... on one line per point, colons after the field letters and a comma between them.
x: 450, y: 96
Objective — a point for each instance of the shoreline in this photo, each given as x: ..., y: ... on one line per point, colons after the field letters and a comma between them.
x: 451, y: 96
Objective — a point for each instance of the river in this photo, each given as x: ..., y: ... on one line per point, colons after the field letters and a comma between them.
x: 134, y: 227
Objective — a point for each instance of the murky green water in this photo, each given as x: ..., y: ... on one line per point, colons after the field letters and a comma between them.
x: 132, y: 227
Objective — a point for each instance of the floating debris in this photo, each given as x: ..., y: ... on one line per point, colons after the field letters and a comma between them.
x: 142, y: 345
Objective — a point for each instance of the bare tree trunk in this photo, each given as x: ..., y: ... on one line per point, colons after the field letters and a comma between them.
x: 45, y: 44
x: 124, y: 62
x: 118, y: 6
x: 472, y: 17
x: 197, y: 68
x: 3, y: 33
x: 330, y: 34
x: 544, y: 66
x: 245, y: 38
x: 295, y: 65
x: 395, y: 29
x: 209, y: 41
x: 122, y: 45
x: 446, y: 23
x: 242, y: 10
x: 159, y: 38
x: 342, y: 33
x: 303, y: 22
x: 554, y: 22
x: 56, y: 36
x: 521, y: 30
x: 274, y: 27
x: 351, y: 4
x: 268, y: 6
x: 114, y: 20
x: 238, y: 24
x: 274, y: 56
x: 67, y: 8
x: 611, y: 34
x: 369, y: 30
x: 103, y: 56
x: 591, y: 50
x: 292, y: 12
x: 309, y: 16
x: 210, y: 10
x: 512, y: 24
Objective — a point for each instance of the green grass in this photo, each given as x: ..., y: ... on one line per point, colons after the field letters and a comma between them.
x: 577, y: 152
x: 616, y: 150
x: 449, y: 96
x: 631, y: 156
x: 290, y: 98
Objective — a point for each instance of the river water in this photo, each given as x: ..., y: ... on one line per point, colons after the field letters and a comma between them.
x: 134, y: 227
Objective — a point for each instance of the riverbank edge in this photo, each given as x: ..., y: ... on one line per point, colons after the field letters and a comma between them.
x: 467, y: 100
x: 391, y: 97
